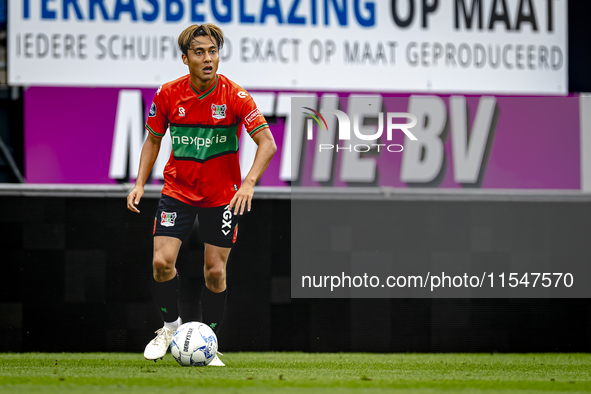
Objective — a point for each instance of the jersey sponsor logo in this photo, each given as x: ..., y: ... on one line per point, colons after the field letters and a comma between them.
x: 199, y: 143
x: 218, y: 111
x: 181, y: 111
x: 255, y: 113
x: 227, y: 222
x: 242, y: 94
x: 168, y: 219
x: 152, y: 110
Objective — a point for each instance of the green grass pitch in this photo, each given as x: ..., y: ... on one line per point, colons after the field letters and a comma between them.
x: 291, y: 373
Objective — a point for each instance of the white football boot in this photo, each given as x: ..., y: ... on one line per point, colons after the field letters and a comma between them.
x: 216, y: 362
x: 158, y: 346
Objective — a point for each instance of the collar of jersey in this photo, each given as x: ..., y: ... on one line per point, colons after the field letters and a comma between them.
x: 202, y: 95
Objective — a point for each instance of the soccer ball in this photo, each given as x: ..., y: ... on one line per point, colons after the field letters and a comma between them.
x: 194, y: 344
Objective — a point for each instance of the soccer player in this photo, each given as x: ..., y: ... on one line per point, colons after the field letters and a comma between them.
x: 205, y: 112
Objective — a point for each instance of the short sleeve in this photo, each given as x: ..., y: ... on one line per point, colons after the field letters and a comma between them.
x: 252, y: 117
x: 157, y: 122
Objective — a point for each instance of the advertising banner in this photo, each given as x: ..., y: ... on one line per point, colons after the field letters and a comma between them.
x: 468, y: 46
x: 94, y: 135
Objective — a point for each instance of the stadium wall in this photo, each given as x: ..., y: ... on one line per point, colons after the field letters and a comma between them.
x: 77, y: 277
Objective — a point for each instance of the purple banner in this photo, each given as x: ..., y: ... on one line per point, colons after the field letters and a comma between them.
x: 531, y: 142
x: 69, y: 133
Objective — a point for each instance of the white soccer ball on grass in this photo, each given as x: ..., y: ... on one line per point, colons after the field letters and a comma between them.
x: 194, y: 344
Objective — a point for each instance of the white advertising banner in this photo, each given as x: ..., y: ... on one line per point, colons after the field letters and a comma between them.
x: 480, y: 46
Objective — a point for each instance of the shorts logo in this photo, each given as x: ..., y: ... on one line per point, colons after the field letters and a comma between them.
x: 218, y: 111
x: 152, y: 110
x: 255, y: 113
x: 181, y: 111
x: 227, y: 222
x: 168, y: 219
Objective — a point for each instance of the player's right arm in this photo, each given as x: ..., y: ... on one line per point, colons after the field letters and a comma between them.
x: 148, y: 157
x: 156, y: 126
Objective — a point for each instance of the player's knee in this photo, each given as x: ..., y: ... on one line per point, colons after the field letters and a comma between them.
x: 160, y: 263
x: 215, y: 273
x: 162, y: 268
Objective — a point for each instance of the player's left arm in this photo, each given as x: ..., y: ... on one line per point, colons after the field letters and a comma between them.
x: 265, y: 151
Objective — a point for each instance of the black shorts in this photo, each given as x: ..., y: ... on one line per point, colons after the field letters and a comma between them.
x: 217, y: 226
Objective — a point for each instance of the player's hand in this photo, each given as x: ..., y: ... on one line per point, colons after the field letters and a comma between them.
x: 134, y: 198
x: 242, y: 199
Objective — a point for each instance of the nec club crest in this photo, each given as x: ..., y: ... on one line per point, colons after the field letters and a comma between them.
x: 167, y: 219
x: 218, y: 111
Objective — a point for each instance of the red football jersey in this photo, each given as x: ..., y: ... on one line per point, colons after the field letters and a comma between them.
x: 203, y: 169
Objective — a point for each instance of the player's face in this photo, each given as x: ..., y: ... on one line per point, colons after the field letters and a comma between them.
x: 202, y: 58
